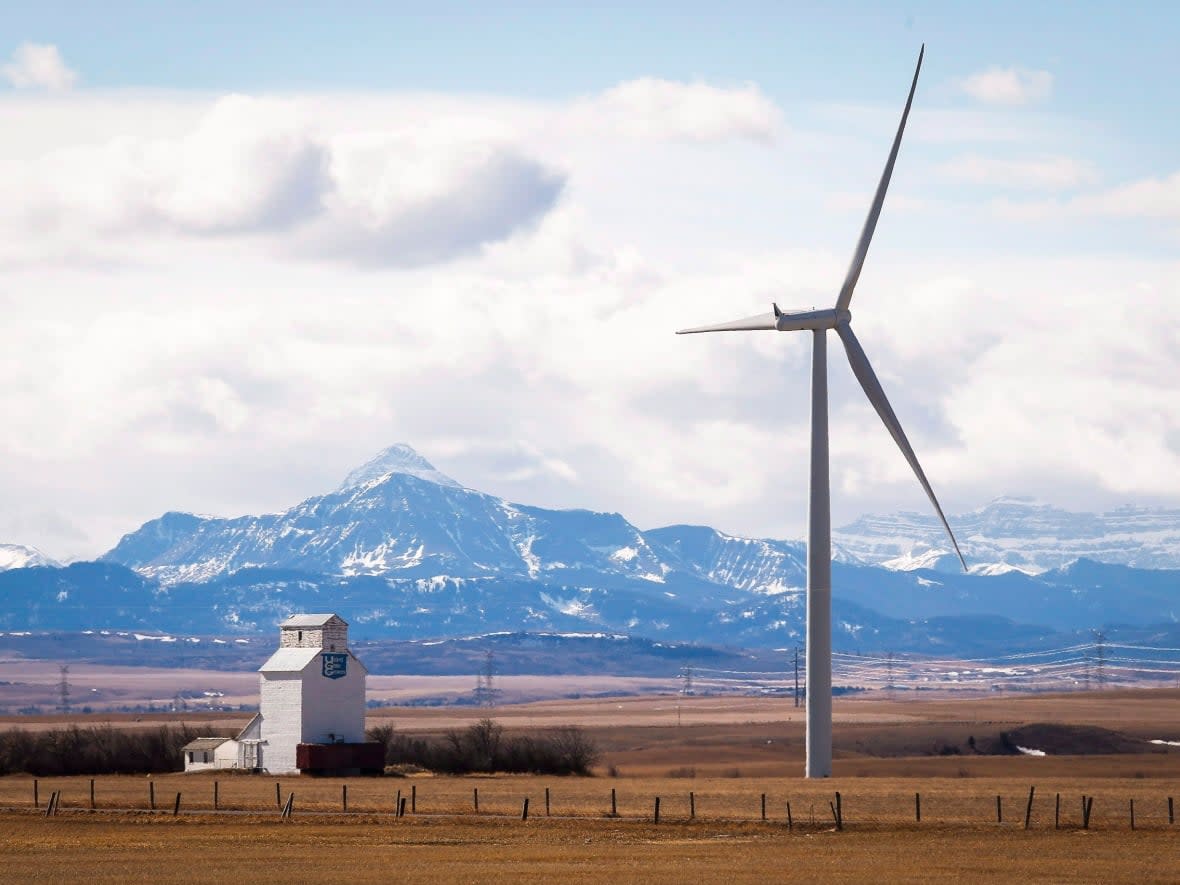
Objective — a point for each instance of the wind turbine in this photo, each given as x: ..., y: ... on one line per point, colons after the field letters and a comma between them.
x: 819, y: 532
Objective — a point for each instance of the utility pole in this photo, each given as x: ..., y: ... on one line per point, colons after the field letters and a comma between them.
x: 796, y: 676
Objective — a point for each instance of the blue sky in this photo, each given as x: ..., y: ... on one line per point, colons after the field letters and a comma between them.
x: 1116, y: 59
x: 245, y: 246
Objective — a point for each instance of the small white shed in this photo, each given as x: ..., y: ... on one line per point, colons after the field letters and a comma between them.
x: 201, y: 754
x: 242, y: 752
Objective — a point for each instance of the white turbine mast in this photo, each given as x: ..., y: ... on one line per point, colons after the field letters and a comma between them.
x: 819, y: 529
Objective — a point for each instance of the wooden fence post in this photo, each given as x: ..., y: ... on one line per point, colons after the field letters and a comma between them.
x: 344, y: 797
x: 278, y: 795
x: 1171, y: 817
x: 475, y: 797
x: 524, y: 811
x: 289, y: 808
x: 152, y: 795
x: 839, y: 812
x: 397, y: 804
x: 37, y: 800
x: 614, y: 808
x: 401, y: 807
x: 657, y: 810
x: 1087, y: 809
x: 92, y: 793
x: 790, y: 820
x: 216, y: 802
x: 176, y: 807
x: 918, y: 807
x: 999, y: 809
x: 1132, y: 814
x: 51, y: 805
x: 692, y: 805
x: 546, y: 802
x: 764, y: 806
x: 413, y: 799
x: 1028, y: 810
x: 1057, y: 813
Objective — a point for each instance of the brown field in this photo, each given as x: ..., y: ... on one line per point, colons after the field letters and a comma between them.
x: 446, y: 840
x: 725, y: 752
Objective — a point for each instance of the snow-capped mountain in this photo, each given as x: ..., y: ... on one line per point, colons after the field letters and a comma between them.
x: 409, y: 553
x: 1015, y: 533
x: 398, y: 458
x: 397, y: 516
x: 19, y: 556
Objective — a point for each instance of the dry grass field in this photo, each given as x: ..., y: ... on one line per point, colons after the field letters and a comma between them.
x: 446, y: 840
x: 712, y: 756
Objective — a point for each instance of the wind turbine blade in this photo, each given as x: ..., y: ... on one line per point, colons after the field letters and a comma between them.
x: 866, y: 235
x: 872, y: 388
x: 749, y: 324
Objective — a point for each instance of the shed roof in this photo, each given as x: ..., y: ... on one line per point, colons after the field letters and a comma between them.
x: 318, y: 620
x: 290, y: 660
x: 204, y: 744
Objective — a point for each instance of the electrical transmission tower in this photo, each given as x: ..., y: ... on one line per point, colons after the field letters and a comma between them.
x: 889, y: 675
x: 485, y: 689
x: 63, y: 689
x: 686, y: 688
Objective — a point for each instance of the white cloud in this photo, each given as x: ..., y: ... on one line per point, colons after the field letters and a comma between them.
x: 1147, y: 198
x: 510, y: 279
x: 1008, y: 86
x: 653, y: 108
x: 1040, y: 173
x: 410, y: 201
x: 254, y: 166
x: 38, y: 66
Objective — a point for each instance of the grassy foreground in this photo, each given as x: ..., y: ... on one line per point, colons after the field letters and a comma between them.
x: 99, y: 848
x: 448, y: 841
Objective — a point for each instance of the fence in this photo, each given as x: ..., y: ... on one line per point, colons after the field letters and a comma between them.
x: 795, y: 805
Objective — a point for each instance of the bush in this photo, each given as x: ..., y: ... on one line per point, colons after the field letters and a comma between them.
x: 94, y: 750
x: 482, y: 747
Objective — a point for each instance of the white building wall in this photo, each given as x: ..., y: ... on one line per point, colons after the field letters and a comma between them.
x: 199, y: 760
x: 303, y: 637
x: 281, y: 704
x: 334, y: 706
x: 226, y: 756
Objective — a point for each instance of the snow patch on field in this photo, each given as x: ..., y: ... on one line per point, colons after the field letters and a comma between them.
x: 1029, y: 751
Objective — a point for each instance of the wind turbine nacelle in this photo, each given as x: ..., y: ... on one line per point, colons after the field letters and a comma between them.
x: 797, y: 320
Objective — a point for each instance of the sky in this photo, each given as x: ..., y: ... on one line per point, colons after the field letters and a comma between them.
x: 244, y: 247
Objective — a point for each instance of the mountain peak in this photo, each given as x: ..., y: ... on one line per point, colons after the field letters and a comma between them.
x: 19, y: 556
x: 399, y: 458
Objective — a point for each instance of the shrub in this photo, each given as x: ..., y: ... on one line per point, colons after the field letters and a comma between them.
x: 482, y: 747
x: 94, y: 750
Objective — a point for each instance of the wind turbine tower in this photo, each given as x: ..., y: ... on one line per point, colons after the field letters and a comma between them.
x: 819, y: 527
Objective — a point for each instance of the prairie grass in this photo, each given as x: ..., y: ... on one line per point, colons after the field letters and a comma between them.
x: 204, y: 848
